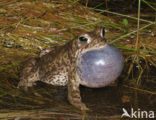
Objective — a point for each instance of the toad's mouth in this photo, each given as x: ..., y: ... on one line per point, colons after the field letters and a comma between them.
x: 98, y: 67
x: 94, y: 48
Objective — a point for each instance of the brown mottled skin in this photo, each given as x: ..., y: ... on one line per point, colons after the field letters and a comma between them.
x: 60, y: 65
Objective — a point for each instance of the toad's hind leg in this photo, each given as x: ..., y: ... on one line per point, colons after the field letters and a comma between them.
x: 74, y: 92
x: 29, y: 74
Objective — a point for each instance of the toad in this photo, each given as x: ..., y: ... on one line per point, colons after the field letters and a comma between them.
x: 86, y: 60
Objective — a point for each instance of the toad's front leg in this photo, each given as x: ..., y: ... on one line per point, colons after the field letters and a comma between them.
x: 73, y: 90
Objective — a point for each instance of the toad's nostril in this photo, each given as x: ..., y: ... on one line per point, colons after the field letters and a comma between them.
x: 100, y: 67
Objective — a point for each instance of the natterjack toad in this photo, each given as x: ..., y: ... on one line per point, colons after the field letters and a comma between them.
x: 86, y: 60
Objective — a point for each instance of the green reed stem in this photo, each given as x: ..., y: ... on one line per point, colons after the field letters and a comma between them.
x: 102, y: 11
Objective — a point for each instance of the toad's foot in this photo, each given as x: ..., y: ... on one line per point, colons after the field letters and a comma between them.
x: 78, y: 104
x: 29, y: 74
x: 73, y: 90
x: 25, y: 85
x: 74, y: 96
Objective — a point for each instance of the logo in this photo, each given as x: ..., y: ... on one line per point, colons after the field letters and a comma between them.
x: 137, y: 113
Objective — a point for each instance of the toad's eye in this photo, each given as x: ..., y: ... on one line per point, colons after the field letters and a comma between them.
x: 102, y: 32
x: 83, y: 38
